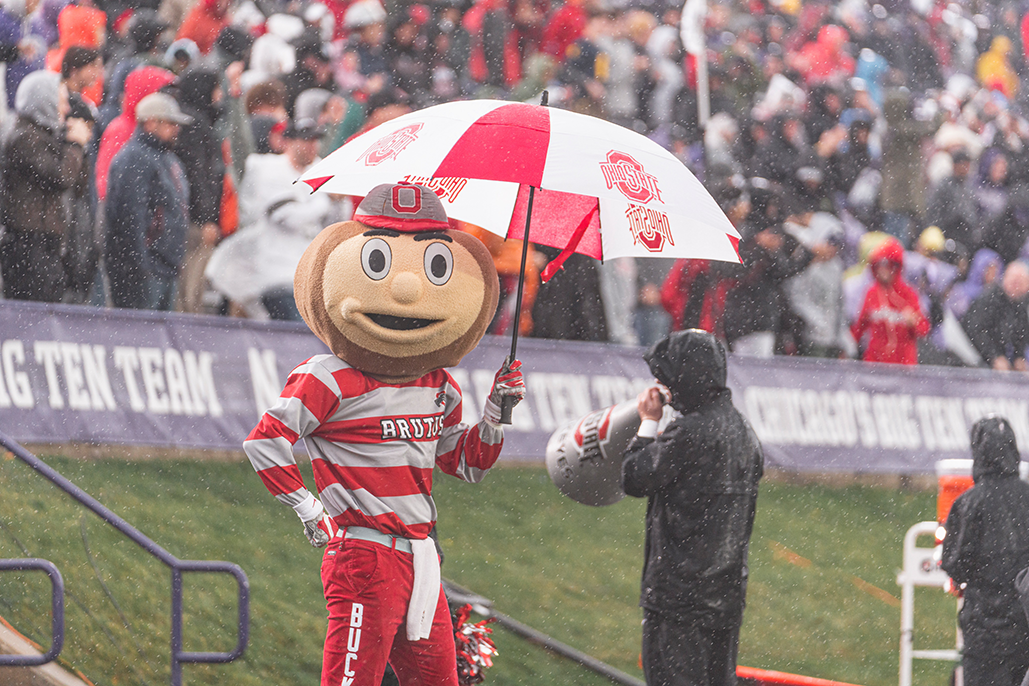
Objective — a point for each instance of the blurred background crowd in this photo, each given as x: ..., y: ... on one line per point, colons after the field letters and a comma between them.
x: 872, y: 156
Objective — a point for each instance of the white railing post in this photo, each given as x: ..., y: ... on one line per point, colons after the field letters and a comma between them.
x: 921, y: 568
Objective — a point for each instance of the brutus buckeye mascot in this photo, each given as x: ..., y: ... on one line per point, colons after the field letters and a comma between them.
x: 397, y: 296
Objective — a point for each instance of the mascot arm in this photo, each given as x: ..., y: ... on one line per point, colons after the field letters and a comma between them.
x: 306, y: 401
x: 467, y: 452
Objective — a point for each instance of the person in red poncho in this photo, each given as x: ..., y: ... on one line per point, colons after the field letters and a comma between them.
x: 891, y: 315
x: 139, y: 84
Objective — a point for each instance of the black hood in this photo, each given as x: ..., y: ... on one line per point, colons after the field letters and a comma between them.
x: 692, y: 365
x: 994, y: 450
x: 196, y: 90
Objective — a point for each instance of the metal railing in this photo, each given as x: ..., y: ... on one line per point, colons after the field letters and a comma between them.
x: 458, y: 595
x: 177, y: 566
x: 56, y: 612
x: 921, y: 568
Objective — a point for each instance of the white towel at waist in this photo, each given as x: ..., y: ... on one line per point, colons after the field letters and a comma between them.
x: 425, y: 589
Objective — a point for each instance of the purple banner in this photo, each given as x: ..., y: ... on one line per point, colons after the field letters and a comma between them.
x: 75, y: 374
x: 849, y: 416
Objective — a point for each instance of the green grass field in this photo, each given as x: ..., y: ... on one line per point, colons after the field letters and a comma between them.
x: 823, y: 568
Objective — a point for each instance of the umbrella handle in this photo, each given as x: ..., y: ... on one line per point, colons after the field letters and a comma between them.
x: 507, y: 404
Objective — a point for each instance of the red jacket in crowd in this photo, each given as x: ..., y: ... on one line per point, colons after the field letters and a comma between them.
x: 891, y: 315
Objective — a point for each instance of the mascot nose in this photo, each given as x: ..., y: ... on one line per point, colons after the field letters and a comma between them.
x: 406, y: 288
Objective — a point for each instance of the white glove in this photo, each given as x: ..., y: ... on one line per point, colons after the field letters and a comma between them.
x: 318, y: 526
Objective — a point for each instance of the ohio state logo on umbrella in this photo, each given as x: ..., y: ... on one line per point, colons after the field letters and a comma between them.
x: 446, y: 188
x: 391, y: 145
x: 623, y: 172
x: 649, y: 227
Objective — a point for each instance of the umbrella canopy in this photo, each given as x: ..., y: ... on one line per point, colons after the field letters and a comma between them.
x: 604, y: 191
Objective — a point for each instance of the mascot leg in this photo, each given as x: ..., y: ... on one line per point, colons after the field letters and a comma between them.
x: 366, y: 609
x: 431, y: 661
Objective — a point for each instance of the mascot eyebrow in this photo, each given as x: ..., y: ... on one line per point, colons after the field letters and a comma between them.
x: 420, y: 236
x: 433, y: 236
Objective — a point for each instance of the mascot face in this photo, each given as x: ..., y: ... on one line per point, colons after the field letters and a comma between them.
x: 397, y: 303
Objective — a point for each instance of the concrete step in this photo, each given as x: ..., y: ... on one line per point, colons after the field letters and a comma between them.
x: 51, y: 674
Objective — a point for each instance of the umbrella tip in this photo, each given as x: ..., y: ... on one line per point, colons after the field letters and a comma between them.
x: 316, y: 183
x: 545, y: 98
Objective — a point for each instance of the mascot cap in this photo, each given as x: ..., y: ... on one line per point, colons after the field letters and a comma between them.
x: 402, y: 207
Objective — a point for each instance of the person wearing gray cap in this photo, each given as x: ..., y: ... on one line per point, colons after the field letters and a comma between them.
x: 147, y: 209
x: 41, y: 158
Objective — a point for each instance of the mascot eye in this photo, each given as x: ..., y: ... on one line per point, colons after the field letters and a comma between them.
x: 439, y: 263
x: 376, y: 259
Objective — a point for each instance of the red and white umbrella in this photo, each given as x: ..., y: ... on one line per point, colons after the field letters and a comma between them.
x: 604, y: 191
x: 571, y: 181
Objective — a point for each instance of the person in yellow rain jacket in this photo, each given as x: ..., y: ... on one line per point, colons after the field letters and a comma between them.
x: 994, y: 69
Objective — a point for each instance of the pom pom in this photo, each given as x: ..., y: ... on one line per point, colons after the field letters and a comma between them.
x: 475, y: 649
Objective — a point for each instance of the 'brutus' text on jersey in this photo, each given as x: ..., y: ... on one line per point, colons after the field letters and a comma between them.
x: 412, y: 428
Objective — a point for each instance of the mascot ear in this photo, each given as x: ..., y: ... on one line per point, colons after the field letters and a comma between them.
x: 309, y: 280
x: 491, y: 297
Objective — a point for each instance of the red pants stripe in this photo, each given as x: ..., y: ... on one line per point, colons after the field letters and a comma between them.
x: 367, y: 588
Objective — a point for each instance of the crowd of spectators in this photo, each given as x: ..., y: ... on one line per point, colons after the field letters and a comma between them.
x: 872, y: 156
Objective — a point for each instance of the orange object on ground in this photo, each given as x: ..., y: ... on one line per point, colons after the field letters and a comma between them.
x: 954, y: 478
x: 764, y: 676
x: 950, y: 488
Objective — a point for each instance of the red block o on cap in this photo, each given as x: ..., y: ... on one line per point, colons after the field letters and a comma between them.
x: 402, y: 207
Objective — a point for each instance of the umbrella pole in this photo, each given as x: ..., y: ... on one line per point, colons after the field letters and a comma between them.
x: 508, y: 403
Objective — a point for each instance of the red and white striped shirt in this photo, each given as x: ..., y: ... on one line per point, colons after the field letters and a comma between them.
x: 373, y: 445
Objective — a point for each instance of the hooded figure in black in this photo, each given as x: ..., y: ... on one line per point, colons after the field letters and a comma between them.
x: 700, y: 477
x: 770, y: 256
x: 986, y: 546
x: 199, y: 146
x: 1022, y: 586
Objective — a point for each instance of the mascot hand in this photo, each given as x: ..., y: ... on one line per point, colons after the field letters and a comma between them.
x: 320, y: 531
x: 318, y: 526
x: 508, y: 383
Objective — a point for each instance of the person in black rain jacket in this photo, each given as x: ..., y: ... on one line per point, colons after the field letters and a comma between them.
x: 986, y: 546
x: 997, y: 322
x: 700, y: 476
x: 199, y: 146
x: 1022, y: 586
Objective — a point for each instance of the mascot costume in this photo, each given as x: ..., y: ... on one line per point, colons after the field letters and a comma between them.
x: 397, y: 296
